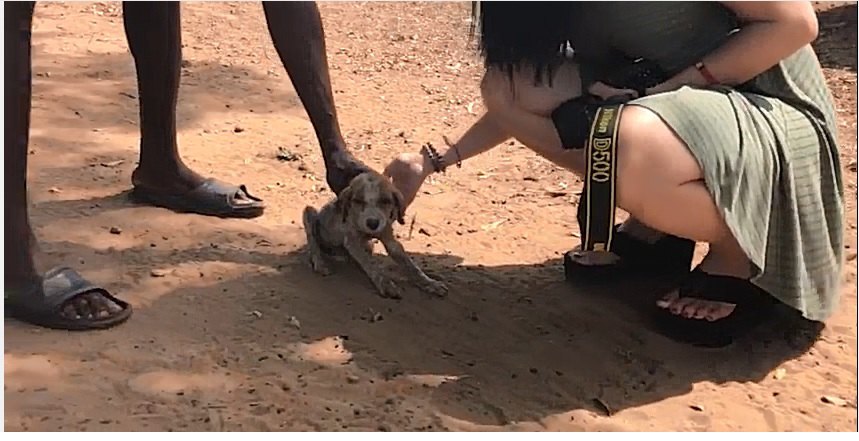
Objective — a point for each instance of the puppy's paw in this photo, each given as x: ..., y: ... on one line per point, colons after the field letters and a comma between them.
x: 319, y: 265
x: 389, y: 289
x: 434, y: 287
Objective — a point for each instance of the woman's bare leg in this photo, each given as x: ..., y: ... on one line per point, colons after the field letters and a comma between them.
x: 645, y: 145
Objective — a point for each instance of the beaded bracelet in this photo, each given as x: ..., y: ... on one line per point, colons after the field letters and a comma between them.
x: 708, y: 76
x: 436, y: 160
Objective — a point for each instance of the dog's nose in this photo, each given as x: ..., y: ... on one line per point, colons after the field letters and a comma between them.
x: 372, y: 224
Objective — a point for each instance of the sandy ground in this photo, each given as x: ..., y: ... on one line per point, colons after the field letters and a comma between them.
x: 214, y: 345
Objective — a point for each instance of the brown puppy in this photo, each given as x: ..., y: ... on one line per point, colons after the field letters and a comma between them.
x: 364, y: 211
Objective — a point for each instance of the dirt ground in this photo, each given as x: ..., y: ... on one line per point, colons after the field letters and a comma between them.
x: 236, y: 333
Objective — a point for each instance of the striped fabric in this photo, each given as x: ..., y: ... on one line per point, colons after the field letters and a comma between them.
x: 767, y: 149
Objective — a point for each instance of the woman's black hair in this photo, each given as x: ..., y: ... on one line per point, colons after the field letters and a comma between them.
x: 511, y: 35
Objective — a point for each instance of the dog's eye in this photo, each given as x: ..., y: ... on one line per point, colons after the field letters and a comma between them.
x: 359, y: 202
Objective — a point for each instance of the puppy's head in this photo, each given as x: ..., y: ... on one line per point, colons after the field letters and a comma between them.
x: 371, y: 203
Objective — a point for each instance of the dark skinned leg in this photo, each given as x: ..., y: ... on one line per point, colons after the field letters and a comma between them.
x: 154, y: 38
x: 19, y: 266
x: 21, y: 275
x: 153, y: 30
x: 297, y: 34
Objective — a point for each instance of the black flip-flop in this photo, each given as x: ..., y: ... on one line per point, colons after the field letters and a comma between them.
x: 669, y: 255
x: 42, y: 304
x: 753, y: 307
x: 210, y: 198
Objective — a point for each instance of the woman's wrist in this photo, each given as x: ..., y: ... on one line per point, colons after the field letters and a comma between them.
x: 428, y: 166
x: 687, y: 77
x: 439, y: 160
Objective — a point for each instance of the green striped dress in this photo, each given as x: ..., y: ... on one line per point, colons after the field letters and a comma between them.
x: 768, y: 149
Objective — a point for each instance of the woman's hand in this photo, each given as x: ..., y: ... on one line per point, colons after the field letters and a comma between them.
x: 408, y: 171
x: 604, y: 91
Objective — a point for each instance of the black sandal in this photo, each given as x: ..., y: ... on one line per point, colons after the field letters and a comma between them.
x: 753, y: 307
x: 42, y: 304
x: 670, y: 255
x: 211, y: 198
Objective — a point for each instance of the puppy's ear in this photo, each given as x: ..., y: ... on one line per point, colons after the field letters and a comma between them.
x: 399, y: 211
x: 344, y: 201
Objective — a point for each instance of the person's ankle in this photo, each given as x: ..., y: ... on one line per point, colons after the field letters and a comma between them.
x: 726, y: 258
x: 19, y: 283
x: 640, y: 231
x: 171, y: 173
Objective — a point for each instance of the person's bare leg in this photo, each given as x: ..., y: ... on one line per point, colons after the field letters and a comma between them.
x: 21, y: 275
x: 153, y: 31
x: 297, y: 34
x: 645, y: 144
x: 528, y: 109
x: 19, y: 265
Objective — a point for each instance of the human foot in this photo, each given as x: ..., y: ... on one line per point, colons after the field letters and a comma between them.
x: 183, y: 190
x: 715, y: 304
x: 63, y: 299
x: 636, y: 249
x: 718, y: 262
x: 340, y: 168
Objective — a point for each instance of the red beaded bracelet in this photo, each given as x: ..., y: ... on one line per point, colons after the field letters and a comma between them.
x: 708, y: 76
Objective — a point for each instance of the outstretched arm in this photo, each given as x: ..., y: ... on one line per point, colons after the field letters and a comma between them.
x: 769, y: 33
x: 297, y: 34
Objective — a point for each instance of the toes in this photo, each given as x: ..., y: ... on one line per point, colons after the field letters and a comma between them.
x: 719, y: 311
x: 680, y: 304
x: 668, y: 300
x: 90, y: 306
x: 436, y: 288
x: 83, y: 307
x: 391, y: 290
x: 70, y: 312
x: 112, y: 307
x: 691, y: 309
x: 100, y: 306
x: 702, y: 312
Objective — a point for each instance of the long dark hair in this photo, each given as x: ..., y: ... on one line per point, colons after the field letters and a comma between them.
x: 511, y: 35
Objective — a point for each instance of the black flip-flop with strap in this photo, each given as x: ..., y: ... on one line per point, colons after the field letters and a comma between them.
x: 42, y: 305
x: 670, y: 255
x: 210, y: 198
x: 753, y: 307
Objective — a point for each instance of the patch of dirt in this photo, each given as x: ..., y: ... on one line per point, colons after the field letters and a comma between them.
x: 214, y: 343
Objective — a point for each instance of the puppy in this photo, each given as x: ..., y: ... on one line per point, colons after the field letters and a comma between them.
x: 364, y: 211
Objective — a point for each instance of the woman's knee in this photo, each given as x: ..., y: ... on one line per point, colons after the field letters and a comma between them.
x: 651, y: 158
x: 648, y: 146
x: 496, y: 90
x: 501, y: 90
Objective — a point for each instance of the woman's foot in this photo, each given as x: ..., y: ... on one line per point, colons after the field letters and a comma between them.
x: 720, y: 261
x: 716, y: 303
x: 632, y: 229
x: 636, y: 249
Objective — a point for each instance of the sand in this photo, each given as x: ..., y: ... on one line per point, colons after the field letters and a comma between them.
x: 237, y: 333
